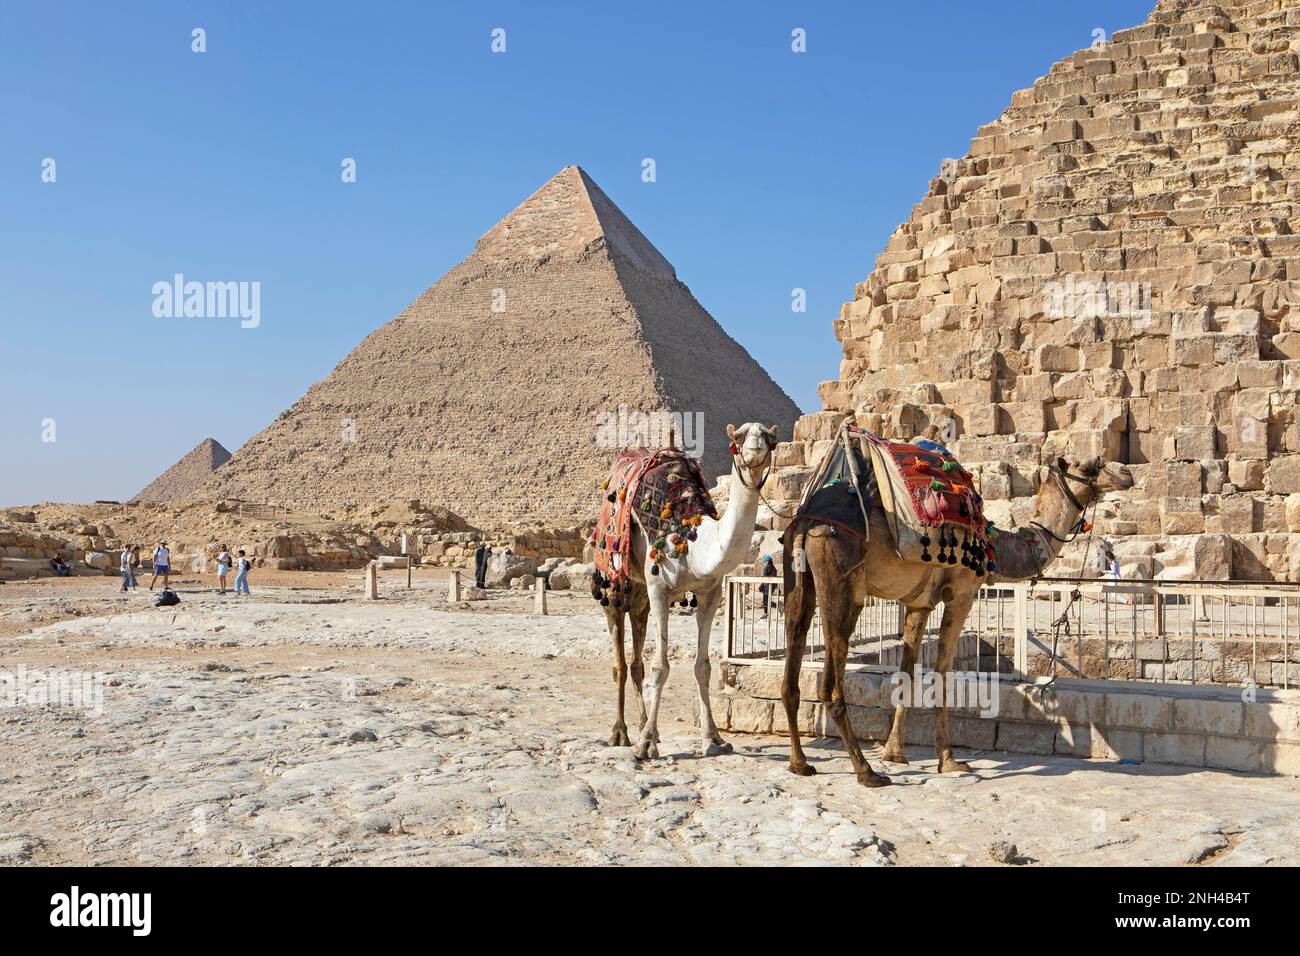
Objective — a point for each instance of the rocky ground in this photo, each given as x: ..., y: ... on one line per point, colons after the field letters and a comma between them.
x: 305, y: 725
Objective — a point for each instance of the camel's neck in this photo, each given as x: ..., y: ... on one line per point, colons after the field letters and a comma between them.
x: 735, y: 530
x: 1059, y: 515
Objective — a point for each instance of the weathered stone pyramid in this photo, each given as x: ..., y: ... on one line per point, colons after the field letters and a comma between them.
x: 188, y: 475
x: 1112, y: 269
x: 494, y: 392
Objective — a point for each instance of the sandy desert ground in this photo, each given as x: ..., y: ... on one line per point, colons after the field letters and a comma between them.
x: 308, y: 726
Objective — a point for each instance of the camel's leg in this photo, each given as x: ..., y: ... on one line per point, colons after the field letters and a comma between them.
x: 646, y: 746
x: 839, y: 614
x: 913, y: 633
x: 640, y: 615
x: 954, y: 616
x: 799, y: 606
x: 707, y: 607
x: 618, y: 736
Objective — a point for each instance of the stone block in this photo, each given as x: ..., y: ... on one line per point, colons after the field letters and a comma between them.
x: 1029, y: 737
x: 1073, y: 740
x: 1188, y: 750
x: 1193, y: 715
x: 1114, y: 744
x: 1145, y: 712
x: 1056, y: 358
x: 751, y: 715
x: 1232, y: 753
x: 1284, y: 475
x: 1183, y: 479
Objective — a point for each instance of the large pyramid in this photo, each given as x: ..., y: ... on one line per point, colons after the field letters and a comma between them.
x: 188, y: 475
x: 494, y: 394
x: 1112, y: 269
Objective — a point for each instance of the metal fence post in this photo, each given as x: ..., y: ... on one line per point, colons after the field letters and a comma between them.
x: 1020, y: 660
x: 726, y: 611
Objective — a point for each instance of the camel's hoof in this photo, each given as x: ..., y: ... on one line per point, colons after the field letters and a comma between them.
x: 619, y: 737
x: 954, y: 766
x: 803, y: 770
x: 894, y: 756
x: 873, y: 780
x: 644, y: 752
x: 716, y: 748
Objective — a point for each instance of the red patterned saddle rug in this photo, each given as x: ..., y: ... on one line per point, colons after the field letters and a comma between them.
x: 665, y: 491
x: 930, y: 501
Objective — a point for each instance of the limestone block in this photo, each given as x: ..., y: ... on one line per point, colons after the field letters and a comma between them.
x: 1182, y: 516
x: 1056, y: 358
x: 1196, y: 442
x: 1185, y: 749
x: 1139, y: 711
x: 1284, y: 475
x: 1030, y: 737
x: 1237, y: 514
x: 1194, y: 715
x: 1023, y: 417
x: 1212, y: 557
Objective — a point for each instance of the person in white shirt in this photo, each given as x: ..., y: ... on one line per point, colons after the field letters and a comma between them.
x: 128, y: 570
x: 241, y: 575
x: 162, y: 565
x: 223, y: 567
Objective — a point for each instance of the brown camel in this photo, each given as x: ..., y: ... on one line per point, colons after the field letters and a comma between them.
x: 843, y: 571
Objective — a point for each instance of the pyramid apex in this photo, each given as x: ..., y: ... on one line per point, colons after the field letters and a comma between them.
x: 567, y: 216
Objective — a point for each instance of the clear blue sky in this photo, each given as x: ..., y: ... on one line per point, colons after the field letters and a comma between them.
x: 775, y: 170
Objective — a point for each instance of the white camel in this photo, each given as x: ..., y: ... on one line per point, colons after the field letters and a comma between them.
x: 718, y: 549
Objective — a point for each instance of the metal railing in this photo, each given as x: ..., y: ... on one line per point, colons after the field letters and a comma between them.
x: 1199, y: 632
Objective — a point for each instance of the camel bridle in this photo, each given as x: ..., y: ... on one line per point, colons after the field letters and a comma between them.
x: 1063, y: 476
x: 743, y: 469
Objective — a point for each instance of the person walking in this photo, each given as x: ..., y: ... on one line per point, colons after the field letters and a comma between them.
x: 223, y: 568
x: 162, y: 565
x: 126, y: 568
x: 241, y: 575
x: 481, y: 555
x: 769, y: 571
x: 135, y: 565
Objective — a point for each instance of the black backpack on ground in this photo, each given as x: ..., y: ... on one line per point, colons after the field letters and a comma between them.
x: 167, y: 598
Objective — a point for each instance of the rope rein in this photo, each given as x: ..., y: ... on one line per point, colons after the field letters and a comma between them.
x: 1047, y: 699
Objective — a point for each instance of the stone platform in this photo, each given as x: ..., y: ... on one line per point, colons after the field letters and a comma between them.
x: 1182, y: 724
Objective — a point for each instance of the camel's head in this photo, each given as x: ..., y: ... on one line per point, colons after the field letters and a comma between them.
x: 1097, y: 476
x: 751, y: 447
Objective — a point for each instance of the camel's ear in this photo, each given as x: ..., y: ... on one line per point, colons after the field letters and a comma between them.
x: 1061, y: 464
x: 731, y: 431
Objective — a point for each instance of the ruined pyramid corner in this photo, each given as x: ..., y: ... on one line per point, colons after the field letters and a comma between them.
x: 188, y: 475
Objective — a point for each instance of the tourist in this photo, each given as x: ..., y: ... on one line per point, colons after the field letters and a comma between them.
x: 223, y: 568
x: 60, y: 567
x: 769, y: 571
x: 481, y: 555
x: 162, y: 565
x: 128, y: 572
x: 135, y: 564
x: 241, y: 575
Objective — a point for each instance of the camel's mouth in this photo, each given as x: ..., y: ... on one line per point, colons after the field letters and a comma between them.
x: 1119, y: 476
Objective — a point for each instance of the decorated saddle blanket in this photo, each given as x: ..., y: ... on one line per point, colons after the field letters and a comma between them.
x: 665, y: 493
x: 930, y: 502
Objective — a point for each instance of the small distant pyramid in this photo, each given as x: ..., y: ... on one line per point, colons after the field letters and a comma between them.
x: 488, y: 393
x: 188, y: 475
